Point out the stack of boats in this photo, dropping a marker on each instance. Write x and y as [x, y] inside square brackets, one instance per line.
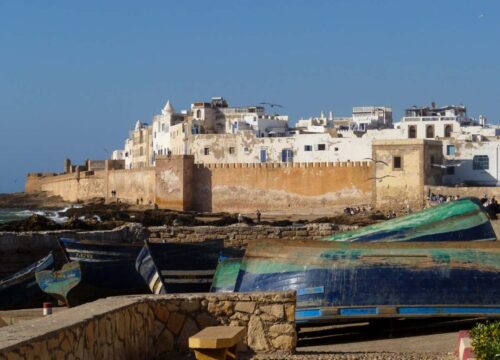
[442, 261]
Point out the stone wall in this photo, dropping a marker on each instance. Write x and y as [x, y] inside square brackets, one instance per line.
[131, 186]
[149, 327]
[238, 235]
[176, 183]
[274, 187]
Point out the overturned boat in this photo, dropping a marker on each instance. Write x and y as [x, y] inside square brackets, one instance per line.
[337, 280]
[460, 220]
[95, 269]
[181, 267]
[20, 290]
[442, 261]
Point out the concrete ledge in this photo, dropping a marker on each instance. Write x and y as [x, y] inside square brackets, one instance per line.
[150, 326]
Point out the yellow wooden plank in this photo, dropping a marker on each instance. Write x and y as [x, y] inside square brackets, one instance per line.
[217, 337]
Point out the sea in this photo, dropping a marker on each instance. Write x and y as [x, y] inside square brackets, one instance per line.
[13, 214]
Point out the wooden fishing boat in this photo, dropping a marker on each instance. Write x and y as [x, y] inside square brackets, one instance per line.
[181, 267]
[226, 275]
[20, 290]
[96, 269]
[461, 220]
[358, 280]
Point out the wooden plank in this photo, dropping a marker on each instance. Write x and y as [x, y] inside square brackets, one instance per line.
[217, 337]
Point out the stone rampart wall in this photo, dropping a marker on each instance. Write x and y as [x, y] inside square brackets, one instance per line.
[274, 187]
[176, 183]
[131, 186]
[149, 327]
[240, 235]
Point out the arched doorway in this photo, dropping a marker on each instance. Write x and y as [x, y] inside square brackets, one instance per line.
[412, 132]
[447, 131]
[429, 131]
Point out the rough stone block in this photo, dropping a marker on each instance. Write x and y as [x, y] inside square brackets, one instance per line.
[175, 322]
[246, 307]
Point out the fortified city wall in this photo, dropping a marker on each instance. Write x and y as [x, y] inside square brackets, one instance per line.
[176, 183]
[150, 327]
[281, 186]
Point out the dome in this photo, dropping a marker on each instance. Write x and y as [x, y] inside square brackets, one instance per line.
[168, 108]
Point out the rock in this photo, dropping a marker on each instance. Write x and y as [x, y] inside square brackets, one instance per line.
[274, 310]
[190, 305]
[205, 320]
[190, 328]
[162, 313]
[175, 322]
[284, 342]
[246, 307]
[290, 312]
[278, 329]
[256, 337]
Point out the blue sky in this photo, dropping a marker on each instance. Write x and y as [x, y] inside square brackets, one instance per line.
[76, 75]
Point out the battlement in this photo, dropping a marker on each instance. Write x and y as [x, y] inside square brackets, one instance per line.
[284, 165]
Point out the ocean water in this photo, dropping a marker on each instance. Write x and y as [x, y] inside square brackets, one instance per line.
[58, 216]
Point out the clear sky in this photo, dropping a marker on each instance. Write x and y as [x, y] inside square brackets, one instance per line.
[76, 75]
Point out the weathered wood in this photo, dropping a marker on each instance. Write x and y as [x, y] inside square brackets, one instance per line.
[217, 337]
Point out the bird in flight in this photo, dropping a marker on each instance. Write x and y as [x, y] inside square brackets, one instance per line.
[380, 178]
[377, 161]
[443, 166]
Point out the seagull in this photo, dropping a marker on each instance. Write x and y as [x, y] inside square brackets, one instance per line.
[380, 178]
[443, 166]
[481, 16]
[377, 161]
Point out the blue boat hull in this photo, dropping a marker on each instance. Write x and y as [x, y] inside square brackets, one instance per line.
[392, 279]
[102, 269]
[79, 282]
[20, 290]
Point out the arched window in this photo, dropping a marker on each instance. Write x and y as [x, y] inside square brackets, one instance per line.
[412, 132]
[198, 114]
[447, 131]
[429, 132]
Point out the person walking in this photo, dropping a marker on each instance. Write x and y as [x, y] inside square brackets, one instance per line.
[258, 215]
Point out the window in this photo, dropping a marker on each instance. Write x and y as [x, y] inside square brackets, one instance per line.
[336, 149]
[263, 155]
[450, 150]
[206, 151]
[412, 132]
[198, 114]
[429, 131]
[432, 159]
[246, 150]
[231, 150]
[480, 162]
[447, 131]
[321, 147]
[308, 148]
[396, 162]
[286, 155]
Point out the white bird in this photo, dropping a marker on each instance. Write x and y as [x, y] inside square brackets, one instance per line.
[443, 166]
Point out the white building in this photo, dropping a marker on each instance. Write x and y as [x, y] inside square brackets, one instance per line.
[371, 117]
[162, 125]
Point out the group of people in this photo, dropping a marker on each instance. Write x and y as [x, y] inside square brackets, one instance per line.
[439, 198]
[355, 210]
